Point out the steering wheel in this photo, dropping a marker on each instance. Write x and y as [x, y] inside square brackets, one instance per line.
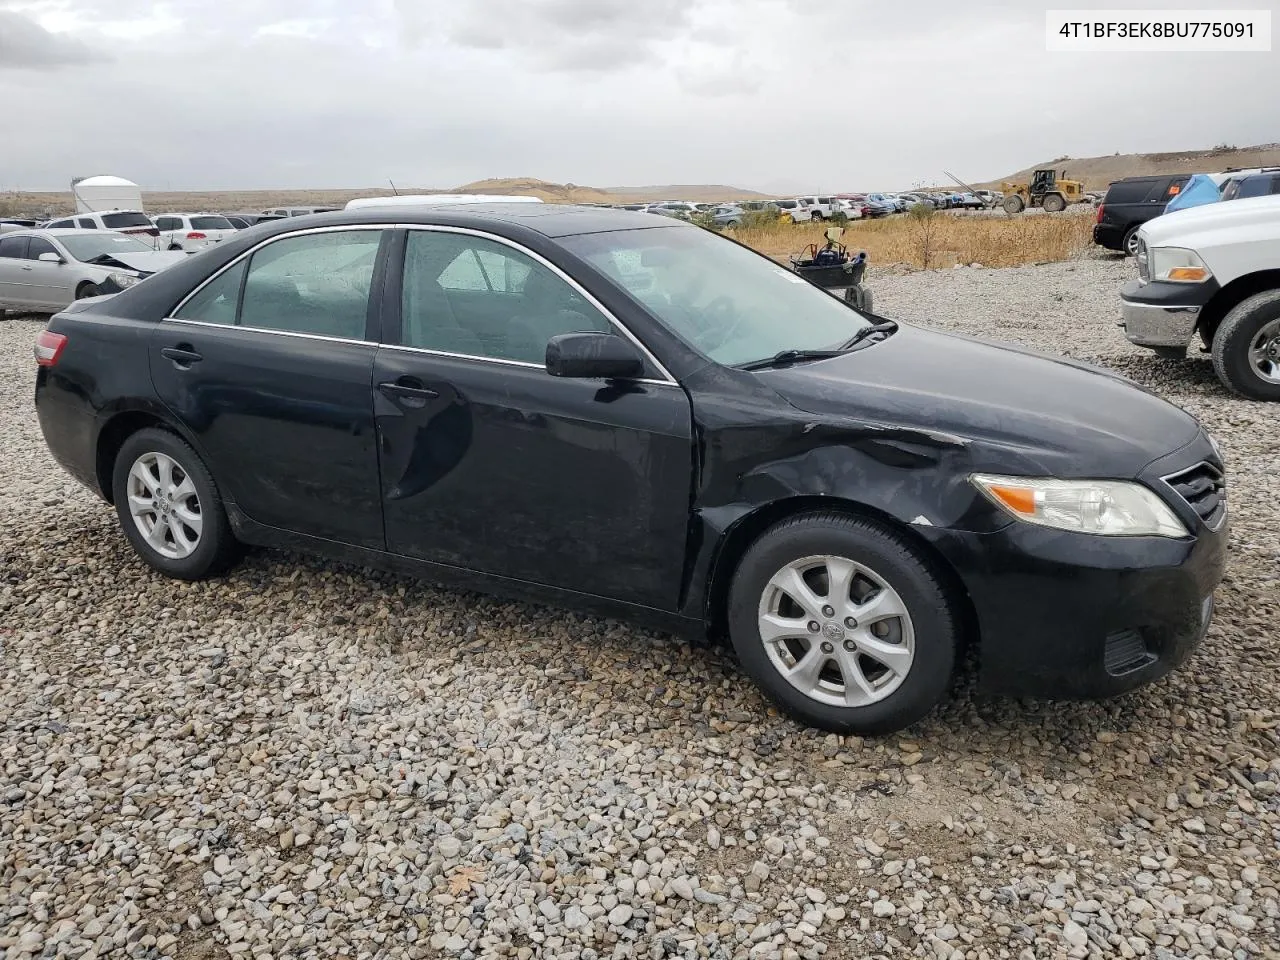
[719, 321]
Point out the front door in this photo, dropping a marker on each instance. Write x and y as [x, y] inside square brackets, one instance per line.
[491, 464]
[269, 367]
[52, 281]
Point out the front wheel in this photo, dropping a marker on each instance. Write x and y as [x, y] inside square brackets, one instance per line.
[169, 507]
[86, 290]
[843, 624]
[1246, 347]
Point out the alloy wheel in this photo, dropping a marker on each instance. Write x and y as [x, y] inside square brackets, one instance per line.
[164, 505]
[836, 631]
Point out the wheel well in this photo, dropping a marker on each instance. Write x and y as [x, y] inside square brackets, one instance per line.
[739, 538]
[118, 429]
[1235, 292]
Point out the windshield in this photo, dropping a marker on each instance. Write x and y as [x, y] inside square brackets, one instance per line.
[725, 300]
[93, 243]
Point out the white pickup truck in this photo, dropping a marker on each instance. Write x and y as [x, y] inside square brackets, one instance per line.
[1212, 270]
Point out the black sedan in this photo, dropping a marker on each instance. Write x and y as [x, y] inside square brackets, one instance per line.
[635, 416]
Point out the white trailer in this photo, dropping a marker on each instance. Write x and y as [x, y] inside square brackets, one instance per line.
[103, 194]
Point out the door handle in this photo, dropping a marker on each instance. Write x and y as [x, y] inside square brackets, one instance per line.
[182, 356]
[408, 391]
[28, 269]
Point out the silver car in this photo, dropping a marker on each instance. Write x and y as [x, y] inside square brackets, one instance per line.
[44, 270]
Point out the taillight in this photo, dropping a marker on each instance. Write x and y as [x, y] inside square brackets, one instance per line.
[196, 235]
[1101, 207]
[49, 348]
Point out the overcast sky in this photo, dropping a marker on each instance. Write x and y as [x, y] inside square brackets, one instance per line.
[777, 95]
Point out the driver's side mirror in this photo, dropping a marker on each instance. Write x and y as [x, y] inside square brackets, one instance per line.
[584, 356]
[50, 258]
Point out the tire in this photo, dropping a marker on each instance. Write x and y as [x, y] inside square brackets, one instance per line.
[1129, 245]
[921, 639]
[214, 548]
[1014, 204]
[86, 290]
[1246, 347]
[175, 248]
[1053, 203]
[1169, 353]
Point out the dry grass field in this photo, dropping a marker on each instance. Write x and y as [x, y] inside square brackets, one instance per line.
[997, 241]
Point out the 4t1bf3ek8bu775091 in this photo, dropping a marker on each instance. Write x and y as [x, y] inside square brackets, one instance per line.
[625, 413]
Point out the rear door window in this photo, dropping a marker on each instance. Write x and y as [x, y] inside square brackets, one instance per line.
[86, 224]
[13, 248]
[168, 224]
[1254, 187]
[317, 283]
[217, 300]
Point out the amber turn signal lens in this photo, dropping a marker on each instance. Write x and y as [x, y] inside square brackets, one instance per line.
[1193, 274]
[1017, 499]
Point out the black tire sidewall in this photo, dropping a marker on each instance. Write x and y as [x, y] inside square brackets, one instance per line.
[891, 557]
[1124, 244]
[1231, 346]
[216, 542]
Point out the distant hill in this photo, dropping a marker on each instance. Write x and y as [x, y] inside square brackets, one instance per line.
[1097, 172]
[575, 193]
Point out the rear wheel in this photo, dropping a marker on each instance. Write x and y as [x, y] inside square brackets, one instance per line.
[1013, 204]
[169, 507]
[843, 624]
[174, 248]
[87, 289]
[1053, 203]
[1246, 347]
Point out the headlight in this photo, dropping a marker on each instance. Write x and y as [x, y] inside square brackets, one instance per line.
[1109, 508]
[1178, 265]
[123, 280]
[1144, 261]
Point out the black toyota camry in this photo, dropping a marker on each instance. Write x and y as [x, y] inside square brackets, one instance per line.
[632, 415]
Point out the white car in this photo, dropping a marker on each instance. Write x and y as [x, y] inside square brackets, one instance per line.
[797, 209]
[132, 223]
[852, 209]
[1212, 270]
[819, 207]
[192, 232]
[44, 270]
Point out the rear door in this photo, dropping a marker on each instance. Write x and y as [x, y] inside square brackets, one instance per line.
[491, 464]
[269, 365]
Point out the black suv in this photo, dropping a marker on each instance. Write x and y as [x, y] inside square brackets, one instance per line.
[1129, 204]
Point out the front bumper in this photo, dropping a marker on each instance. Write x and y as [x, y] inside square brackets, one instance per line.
[1075, 616]
[1162, 314]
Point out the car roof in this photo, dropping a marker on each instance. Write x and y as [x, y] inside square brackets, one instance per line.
[548, 219]
[55, 232]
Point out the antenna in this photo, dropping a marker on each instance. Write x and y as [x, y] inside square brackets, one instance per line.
[393, 187]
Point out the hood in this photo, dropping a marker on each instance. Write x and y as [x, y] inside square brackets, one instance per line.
[148, 261]
[1016, 410]
[1176, 228]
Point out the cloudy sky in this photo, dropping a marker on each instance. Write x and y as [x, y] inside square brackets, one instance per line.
[777, 95]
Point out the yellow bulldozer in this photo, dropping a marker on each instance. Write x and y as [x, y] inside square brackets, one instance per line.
[1047, 189]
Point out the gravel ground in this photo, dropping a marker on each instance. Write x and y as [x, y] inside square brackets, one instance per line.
[308, 760]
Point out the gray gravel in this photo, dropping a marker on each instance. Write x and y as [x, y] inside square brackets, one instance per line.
[307, 760]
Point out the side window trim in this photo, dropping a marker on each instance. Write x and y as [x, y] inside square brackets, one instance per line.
[377, 283]
[391, 308]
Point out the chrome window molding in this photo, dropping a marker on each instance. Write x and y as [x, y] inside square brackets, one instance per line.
[668, 380]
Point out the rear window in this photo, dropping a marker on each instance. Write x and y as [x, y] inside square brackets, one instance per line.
[1130, 191]
[119, 221]
[787, 204]
[211, 223]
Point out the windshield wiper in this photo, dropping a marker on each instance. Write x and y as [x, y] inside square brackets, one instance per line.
[887, 326]
[784, 357]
